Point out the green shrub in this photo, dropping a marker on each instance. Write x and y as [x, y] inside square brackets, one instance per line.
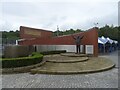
[53, 52]
[35, 53]
[21, 61]
[34, 58]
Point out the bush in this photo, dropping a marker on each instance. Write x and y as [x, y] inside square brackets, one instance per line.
[21, 61]
[53, 52]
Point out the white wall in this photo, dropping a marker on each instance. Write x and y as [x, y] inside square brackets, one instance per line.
[68, 48]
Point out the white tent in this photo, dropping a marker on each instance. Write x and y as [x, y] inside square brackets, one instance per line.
[103, 39]
[110, 40]
[100, 41]
[115, 41]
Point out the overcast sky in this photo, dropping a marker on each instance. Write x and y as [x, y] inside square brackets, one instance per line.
[47, 14]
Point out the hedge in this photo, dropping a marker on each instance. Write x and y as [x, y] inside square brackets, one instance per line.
[21, 61]
[53, 52]
[25, 61]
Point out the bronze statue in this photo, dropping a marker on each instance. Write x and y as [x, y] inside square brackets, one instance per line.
[78, 43]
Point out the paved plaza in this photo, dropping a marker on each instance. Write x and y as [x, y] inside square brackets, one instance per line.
[106, 79]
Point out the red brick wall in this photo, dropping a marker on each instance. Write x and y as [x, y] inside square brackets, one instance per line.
[90, 38]
[27, 32]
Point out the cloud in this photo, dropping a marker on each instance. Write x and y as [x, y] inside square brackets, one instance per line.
[66, 14]
[59, 1]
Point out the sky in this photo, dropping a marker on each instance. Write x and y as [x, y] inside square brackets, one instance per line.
[67, 14]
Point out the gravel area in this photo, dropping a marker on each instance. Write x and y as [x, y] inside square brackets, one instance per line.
[106, 79]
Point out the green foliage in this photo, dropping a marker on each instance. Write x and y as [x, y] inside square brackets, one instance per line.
[110, 31]
[10, 37]
[10, 34]
[67, 32]
[21, 61]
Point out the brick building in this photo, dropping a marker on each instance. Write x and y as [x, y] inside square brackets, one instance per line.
[32, 36]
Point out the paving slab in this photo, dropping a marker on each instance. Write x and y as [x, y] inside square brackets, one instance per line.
[94, 64]
[64, 59]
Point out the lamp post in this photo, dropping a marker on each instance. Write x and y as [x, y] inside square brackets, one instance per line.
[57, 30]
[95, 24]
[6, 41]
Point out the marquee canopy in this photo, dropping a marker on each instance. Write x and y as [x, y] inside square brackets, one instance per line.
[103, 40]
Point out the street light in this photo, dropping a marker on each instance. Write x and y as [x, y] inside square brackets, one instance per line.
[57, 30]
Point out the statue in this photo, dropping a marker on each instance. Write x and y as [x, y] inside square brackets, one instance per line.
[78, 42]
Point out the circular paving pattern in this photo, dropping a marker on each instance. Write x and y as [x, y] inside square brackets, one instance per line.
[63, 59]
[73, 55]
[93, 64]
